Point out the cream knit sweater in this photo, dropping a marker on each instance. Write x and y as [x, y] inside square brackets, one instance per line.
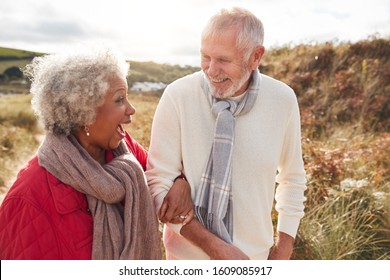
[267, 150]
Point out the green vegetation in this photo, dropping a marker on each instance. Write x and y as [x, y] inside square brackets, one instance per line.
[13, 54]
[344, 96]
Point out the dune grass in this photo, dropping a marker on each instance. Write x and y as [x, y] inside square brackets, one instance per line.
[18, 135]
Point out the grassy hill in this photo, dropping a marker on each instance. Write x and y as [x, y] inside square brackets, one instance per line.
[15, 57]
[14, 54]
[154, 72]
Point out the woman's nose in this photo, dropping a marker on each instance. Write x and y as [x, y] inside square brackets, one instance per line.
[130, 110]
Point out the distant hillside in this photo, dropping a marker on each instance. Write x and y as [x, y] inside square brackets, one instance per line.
[15, 54]
[139, 71]
[154, 72]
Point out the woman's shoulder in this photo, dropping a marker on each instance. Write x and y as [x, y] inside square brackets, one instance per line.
[32, 174]
[27, 194]
[36, 186]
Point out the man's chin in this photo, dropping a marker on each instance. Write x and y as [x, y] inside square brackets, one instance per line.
[221, 95]
[217, 92]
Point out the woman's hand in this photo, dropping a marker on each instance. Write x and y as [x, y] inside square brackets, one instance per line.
[177, 206]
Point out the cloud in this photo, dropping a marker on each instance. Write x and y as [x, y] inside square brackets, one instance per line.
[169, 30]
[50, 31]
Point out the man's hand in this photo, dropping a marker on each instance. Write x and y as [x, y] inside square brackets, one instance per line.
[225, 251]
[177, 206]
[283, 247]
[212, 245]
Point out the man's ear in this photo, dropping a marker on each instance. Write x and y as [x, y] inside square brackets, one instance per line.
[256, 57]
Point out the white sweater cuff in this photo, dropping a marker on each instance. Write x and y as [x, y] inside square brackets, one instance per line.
[288, 224]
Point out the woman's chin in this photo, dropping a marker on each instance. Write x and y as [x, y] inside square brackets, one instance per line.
[114, 144]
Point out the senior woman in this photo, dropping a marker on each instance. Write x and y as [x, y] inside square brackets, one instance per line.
[84, 195]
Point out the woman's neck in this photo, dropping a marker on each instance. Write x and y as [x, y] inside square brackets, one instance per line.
[97, 153]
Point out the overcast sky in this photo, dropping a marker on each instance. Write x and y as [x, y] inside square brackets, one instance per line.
[168, 31]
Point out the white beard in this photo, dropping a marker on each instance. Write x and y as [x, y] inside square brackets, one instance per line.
[236, 85]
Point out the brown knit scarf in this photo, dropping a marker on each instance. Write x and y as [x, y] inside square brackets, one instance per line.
[120, 232]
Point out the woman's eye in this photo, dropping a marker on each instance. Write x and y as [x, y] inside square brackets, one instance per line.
[120, 99]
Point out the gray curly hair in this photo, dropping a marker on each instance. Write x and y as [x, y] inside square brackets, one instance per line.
[68, 88]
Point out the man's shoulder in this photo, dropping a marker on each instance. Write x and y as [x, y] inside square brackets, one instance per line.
[276, 89]
[274, 83]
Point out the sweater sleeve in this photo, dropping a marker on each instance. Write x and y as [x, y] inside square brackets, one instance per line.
[291, 177]
[164, 162]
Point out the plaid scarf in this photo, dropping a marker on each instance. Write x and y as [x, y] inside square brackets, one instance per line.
[213, 202]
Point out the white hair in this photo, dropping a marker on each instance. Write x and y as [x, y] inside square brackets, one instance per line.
[67, 88]
[250, 29]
